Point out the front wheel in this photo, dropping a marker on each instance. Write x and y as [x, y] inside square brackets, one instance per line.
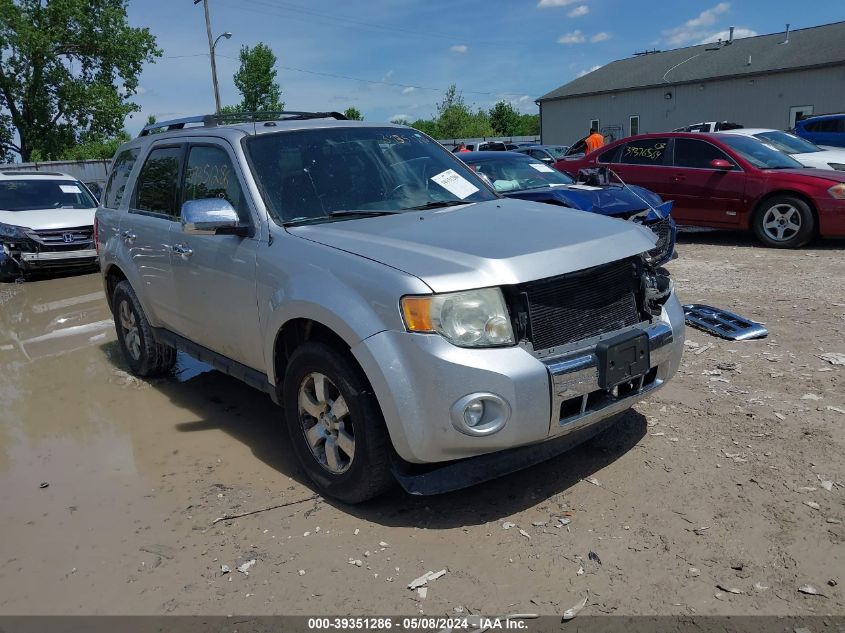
[784, 222]
[145, 356]
[335, 424]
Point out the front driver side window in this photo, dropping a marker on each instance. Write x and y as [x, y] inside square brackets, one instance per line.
[209, 174]
[697, 154]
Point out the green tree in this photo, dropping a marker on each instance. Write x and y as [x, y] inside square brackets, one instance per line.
[103, 149]
[529, 125]
[452, 114]
[504, 119]
[427, 126]
[67, 71]
[256, 80]
[353, 114]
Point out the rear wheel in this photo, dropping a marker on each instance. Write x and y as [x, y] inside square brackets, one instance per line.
[145, 356]
[784, 222]
[335, 424]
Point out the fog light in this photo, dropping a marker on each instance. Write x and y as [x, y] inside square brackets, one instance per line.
[480, 414]
[473, 413]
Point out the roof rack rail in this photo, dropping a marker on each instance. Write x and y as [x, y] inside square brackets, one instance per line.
[30, 172]
[213, 120]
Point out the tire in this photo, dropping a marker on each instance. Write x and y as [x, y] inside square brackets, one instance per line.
[145, 356]
[784, 222]
[319, 424]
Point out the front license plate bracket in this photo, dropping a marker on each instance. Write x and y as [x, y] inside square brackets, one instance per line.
[622, 358]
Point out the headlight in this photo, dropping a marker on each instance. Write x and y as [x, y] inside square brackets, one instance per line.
[838, 166]
[474, 318]
[11, 231]
[838, 191]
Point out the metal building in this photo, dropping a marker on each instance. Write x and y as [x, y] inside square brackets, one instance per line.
[762, 81]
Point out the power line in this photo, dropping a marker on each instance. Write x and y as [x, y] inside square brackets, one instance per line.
[287, 6]
[385, 83]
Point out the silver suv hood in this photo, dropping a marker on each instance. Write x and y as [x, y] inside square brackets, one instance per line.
[493, 243]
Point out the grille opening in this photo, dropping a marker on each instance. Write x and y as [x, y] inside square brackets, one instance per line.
[583, 304]
[570, 407]
[600, 397]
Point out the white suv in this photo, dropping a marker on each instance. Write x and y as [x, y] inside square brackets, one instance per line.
[46, 222]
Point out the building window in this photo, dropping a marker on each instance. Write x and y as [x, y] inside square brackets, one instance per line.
[635, 125]
[595, 124]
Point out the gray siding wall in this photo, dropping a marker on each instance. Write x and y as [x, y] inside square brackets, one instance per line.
[762, 101]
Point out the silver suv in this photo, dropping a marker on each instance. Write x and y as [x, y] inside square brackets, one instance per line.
[413, 325]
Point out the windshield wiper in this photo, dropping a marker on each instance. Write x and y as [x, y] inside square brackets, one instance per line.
[344, 212]
[315, 219]
[437, 205]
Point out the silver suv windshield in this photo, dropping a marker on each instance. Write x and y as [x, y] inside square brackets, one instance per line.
[340, 173]
[32, 194]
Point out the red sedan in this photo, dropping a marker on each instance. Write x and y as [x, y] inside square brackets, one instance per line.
[729, 181]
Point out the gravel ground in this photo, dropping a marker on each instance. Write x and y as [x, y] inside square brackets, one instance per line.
[721, 494]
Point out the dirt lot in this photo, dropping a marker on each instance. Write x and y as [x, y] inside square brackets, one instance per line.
[720, 482]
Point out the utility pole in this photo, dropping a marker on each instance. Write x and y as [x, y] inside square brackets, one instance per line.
[211, 54]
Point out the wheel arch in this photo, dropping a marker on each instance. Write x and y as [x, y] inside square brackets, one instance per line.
[296, 331]
[112, 276]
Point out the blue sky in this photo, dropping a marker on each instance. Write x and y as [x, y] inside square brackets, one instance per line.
[409, 51]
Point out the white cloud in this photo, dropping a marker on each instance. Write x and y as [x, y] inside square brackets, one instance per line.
[600, 37]
[724, 35]
[587, 72]
[575, 37]
[694, 29]
[548, 4]
[408, 90]
[459, 48]
[577, 12]
[523, 99]
[400, 117]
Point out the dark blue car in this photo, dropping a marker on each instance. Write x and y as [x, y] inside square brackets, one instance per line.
[823, 129]
[519, 176]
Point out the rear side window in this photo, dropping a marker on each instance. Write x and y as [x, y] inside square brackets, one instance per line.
[647, 151]
[609, 156]
[119, 178]
[697, 154]
[209, 174]
[826, 125]
[158, 182]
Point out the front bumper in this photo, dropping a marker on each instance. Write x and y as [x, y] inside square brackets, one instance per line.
[418, 378]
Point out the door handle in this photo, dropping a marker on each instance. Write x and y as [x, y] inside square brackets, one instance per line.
[183, 251]
[129, 237]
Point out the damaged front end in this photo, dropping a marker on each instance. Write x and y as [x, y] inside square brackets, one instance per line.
[24, 250]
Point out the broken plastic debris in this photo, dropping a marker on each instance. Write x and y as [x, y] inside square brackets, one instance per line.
[426, 578]
[355, 561]
[811, 396]
[837, 409]
[356, 531]
[44, 484]
[573, 611]
[833, 358]
[422, 592]
[507, 525]
[225, 569]
[593, 481]
[729, 589]
[694, 572]
[810, 590]
[813, 505]
[301, 572]
[525, 534]
[580, 571]
[244, 568]
[759, 586]
[594, 557]
[825, 483]
[383, 544]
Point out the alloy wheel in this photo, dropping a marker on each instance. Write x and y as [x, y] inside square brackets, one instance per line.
[781, 222]
[326, 423]
[131, 333]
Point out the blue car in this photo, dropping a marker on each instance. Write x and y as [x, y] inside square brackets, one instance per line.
[519, 176]
[823, 129]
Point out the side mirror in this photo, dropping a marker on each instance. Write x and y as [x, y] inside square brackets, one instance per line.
[720, 163]
[210, 216]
